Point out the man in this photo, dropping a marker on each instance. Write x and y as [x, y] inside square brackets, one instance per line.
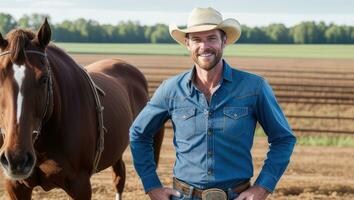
[214, 110]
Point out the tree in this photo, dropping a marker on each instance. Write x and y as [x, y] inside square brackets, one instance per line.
[335, 34]
[95, 32]
[82, 30]
[257, 35]
[24, 22]
[132, 32]
[161, 34]
[307, 33]
[147, 33]
[64, 32]
[108, 29]
[277, 33]
[321, 28]
[7, 23]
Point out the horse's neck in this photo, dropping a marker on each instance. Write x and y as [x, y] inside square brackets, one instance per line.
[71, 90]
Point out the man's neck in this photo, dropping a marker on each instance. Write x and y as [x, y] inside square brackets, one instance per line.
[209, 79]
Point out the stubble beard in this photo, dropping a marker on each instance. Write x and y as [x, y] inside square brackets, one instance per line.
[208, 65]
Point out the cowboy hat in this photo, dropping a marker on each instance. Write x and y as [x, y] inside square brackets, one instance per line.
[206, 19]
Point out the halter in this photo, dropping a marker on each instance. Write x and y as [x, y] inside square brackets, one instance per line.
[36, 132]
[27, 51]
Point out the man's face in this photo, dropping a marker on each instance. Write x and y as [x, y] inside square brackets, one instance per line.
[206, 48]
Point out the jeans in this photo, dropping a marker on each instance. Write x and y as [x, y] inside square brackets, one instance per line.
[230, 195]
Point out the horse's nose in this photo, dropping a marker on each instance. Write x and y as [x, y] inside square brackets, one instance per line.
[17, 164]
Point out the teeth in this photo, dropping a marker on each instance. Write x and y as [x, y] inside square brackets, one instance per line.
[205, 54]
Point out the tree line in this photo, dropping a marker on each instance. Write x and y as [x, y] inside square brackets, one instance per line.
[83, 30]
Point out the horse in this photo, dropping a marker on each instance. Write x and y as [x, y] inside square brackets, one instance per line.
[50, 114]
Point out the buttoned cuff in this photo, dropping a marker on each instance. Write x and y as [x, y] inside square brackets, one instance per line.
[267, 181]
[151, 182]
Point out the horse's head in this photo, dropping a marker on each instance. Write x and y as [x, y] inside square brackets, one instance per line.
[24, 95]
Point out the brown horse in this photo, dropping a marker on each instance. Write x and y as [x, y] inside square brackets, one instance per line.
[49, 120]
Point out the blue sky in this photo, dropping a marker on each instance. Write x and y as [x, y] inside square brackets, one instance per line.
[247, 12]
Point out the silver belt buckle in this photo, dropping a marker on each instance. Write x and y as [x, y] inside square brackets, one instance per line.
[214, 194]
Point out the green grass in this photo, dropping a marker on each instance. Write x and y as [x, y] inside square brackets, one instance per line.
[319, 140]
[337, 141]
[241, 50]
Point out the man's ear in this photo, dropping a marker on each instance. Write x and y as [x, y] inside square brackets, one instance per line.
[186, 41]
[224, 38]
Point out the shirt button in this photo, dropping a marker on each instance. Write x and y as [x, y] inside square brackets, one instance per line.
[206, 112]
[209, 172]
[210, 113]
[210, 154]
[209, 132]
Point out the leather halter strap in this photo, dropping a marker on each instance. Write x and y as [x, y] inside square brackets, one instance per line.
[99, 112]
[27, 51]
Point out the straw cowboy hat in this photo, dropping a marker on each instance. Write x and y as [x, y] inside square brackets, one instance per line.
[206, 19]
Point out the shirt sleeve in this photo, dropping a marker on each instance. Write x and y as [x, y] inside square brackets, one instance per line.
[280, 137]
[142, 131]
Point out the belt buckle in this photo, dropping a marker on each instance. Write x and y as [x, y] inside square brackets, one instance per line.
[214, 194]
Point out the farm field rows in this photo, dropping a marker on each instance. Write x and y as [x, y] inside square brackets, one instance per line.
[314, 173]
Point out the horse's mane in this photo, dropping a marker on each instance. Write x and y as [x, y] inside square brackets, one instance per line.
[18, 40]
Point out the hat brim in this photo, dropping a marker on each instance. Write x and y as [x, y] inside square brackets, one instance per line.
[231, 27]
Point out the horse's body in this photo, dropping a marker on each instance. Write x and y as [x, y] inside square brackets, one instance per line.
[67, 144]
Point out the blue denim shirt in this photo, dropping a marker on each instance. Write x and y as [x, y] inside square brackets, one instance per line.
[213, 140]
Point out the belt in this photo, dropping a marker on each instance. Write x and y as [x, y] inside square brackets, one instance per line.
[185, 188]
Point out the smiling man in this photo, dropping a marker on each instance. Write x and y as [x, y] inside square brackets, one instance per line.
[214, 110]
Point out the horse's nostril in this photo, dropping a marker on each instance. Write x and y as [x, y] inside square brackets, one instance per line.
[23, 164]
[4, 160]
[29, 160]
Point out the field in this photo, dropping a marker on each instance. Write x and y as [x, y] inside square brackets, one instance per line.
[240, 50]
[315, 172]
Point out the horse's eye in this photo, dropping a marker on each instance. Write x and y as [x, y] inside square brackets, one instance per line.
[43, 80]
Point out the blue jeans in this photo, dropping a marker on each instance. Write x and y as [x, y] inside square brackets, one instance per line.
[230, 195]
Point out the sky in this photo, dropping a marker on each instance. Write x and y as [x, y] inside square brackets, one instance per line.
[149, 12]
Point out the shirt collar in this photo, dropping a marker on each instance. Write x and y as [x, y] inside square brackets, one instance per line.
[227, 73]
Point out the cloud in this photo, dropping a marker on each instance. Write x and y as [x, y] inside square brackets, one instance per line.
[46, 3]
[49, 3]
[24, 1]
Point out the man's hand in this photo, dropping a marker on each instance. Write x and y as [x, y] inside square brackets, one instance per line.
[254, 193]
[163, 193]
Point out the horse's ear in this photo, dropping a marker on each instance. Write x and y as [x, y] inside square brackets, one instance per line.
[3, 42]
[44, 34]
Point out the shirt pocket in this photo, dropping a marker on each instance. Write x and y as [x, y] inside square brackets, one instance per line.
[184, 120]
[234, 123]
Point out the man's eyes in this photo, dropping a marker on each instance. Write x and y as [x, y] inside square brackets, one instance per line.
[195, 40]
